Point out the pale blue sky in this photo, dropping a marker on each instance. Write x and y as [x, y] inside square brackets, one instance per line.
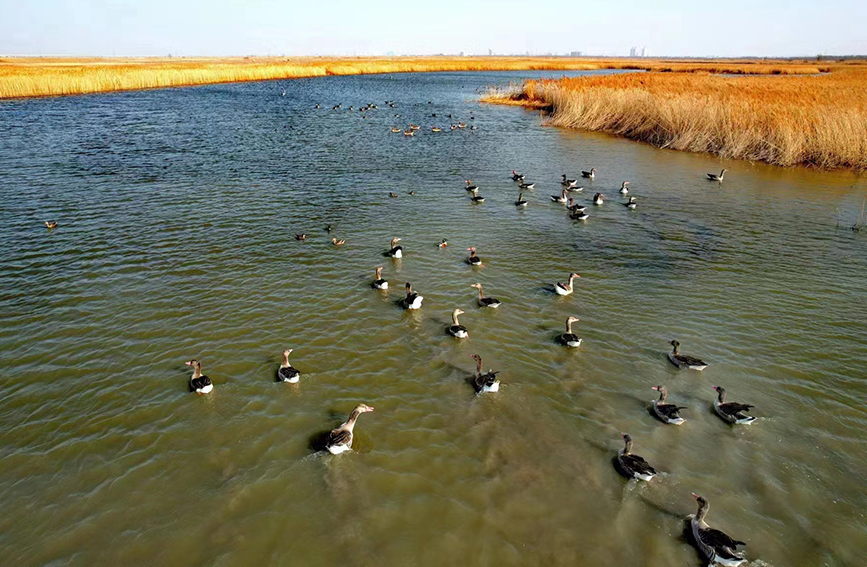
[338, 27]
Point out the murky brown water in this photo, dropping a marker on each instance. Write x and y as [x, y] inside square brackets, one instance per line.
[177, 210]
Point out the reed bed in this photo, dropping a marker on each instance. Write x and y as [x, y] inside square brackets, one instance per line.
[816, 120]
[37, 76]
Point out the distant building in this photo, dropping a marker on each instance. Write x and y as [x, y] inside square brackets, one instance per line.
[490, 52]
[644, 52]
[633, 51]
[575, 54]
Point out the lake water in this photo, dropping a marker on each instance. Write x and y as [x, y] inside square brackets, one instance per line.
[176, 212]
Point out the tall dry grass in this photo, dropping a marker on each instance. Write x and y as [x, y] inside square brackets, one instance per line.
[25, 77]
[784, 120]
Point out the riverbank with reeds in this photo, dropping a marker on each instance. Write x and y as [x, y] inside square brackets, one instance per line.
[41, 76]
[817, 120]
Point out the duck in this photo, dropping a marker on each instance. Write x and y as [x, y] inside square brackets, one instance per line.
[589, 174]
[569, 338]
[329, 227]
[393, 195]
[568, 183]
[484, 383]
[731, 412]
[408, 133]
[379, 283]
[476, 198]
[631, 204]
[717, 547]
[300, 237]
[683, 361]
[317, 105]
[633, 466]
[597, 199]
[517, 176]
[286, 373]
[462, 125]
[337, 242]
[457, 330]
[412, 299]
[561, 198]
[521, 202]
[396, 130]
[565, 289]
[527, 185]
[667, 413]
[411, 193]
[396, 251]
[715, 177]
[623, 188]
[486, 301]
[442, 243]
[340, 440]
[50, 224]
[471, 187]
[435, 129]
[414, 126]
[199, 383]
[472, 259]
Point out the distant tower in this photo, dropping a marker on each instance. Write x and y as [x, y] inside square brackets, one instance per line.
[490, 52]
[632, 51]
[644, 52]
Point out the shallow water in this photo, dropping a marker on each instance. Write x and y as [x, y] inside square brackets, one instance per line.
[177, 210]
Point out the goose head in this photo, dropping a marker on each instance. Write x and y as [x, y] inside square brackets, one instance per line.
[363, 408]
[379, 273]
[394, 242]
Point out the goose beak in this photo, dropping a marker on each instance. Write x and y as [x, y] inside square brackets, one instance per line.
[696, 496]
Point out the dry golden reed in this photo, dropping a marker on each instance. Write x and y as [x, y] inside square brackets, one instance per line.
[815, 120]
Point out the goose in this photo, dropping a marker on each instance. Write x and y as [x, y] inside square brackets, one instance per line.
[435, 129]
[589, 174]
[472, 259]
[393, 195]
[623, 189]
[471, 187]
[412, 299]
[457, 330]
[395, 251]
[521, 202]
[561, 198]
[575, 208]
[300, 237]
[565, 289]
[483, 383]
[527, 185]
[462, 125]
[569, 338]
[50, 225]
[730, 411]
[517, 176]
[579, 215]
[631, 204]
[337, 242]
[486, 301]
[716, 546]
[568, 183]
[414, 126]
[408, 133]
[286, 373]
[198, 383]
[715, 177]
[667, 413]
[396, 130]
[442, 243]
[340, 440]
[476, 198]
[597, 199]
[633, 466]
[683, 361]
[379, 283]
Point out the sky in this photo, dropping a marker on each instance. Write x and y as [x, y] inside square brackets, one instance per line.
[729, 28]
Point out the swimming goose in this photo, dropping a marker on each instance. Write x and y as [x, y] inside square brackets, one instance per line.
[379, 283]
[472, 259]
[395, 251]
[527, 185]
[521, 202]
[412, 299]
[561, 198]
[340, 439]
[476, 198]
[471, 187]
[716, 546]
[572, 206]
[414, 126]
[579, 215]
[457, 330]
[623, 189]
[198, 383]
[633, 466]
[50, 225]
[486, 301]
[337, 242]
[730, 411]
[565, 289]
[442, 243]
[631, 204]
[667, 413]
[589, 174]
[487, 382]
[462, 125]
[286, 373]
[569, 338]
[683, 361]
[597, 199]
[396, 130]
[393, 195]
[435, 129]
[300, 237]
[715, 177]
[409, 133]
[517, 176]
[568, 183]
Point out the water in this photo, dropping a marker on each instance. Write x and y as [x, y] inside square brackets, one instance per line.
[177, 210]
